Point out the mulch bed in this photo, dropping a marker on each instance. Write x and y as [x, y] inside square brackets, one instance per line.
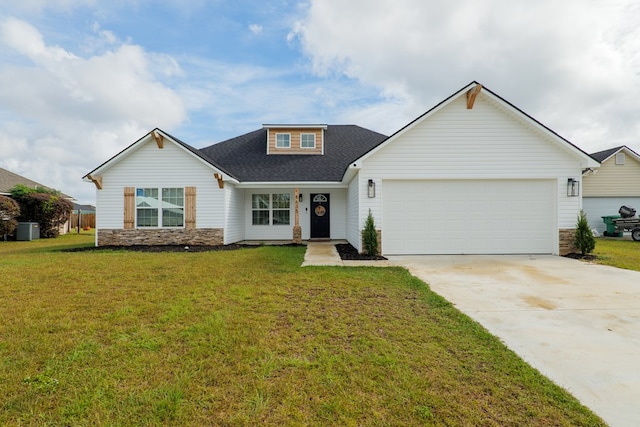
[348, 253]
[587, 257]
[169, 248]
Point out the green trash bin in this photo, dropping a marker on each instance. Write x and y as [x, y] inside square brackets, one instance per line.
[611, 226]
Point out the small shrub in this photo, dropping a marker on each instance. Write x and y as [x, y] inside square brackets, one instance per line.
[370, 236]
[583, 238]
[9, 211]
[46, 207]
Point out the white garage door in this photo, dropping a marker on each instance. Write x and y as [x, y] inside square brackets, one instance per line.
[469, 217]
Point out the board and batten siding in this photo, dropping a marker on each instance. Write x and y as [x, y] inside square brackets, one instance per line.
[151, 167]
[613, 180]
[486, 142]
[337, 209]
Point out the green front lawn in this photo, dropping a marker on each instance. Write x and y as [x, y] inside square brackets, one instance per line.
[618, 253]
[247, 337]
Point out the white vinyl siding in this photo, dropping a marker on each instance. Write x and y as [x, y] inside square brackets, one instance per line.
[234, 226]
[285, 232]
[151, 167]
[488, 142]
[353, 223]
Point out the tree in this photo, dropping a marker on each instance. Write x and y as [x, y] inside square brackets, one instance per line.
[46, 207]
[370, 236]
[583, 238]
[9, 211]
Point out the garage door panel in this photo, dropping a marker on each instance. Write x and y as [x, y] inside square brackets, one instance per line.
[474, 217]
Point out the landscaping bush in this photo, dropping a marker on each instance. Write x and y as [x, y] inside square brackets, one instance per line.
[9, 211]
[370, 236]
[583, 238]
[46, 207]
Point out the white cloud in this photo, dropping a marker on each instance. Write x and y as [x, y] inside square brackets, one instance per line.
[574, 64]
[68, 110]
[27, 40]
[255, 29]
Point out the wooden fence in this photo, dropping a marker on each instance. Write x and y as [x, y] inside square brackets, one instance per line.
[86, 220]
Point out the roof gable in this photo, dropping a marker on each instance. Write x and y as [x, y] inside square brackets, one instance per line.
[160, 137]
[471, 91]
[604, 155]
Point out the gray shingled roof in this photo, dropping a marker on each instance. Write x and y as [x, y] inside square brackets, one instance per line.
[605, 154]
[245, 157]
[8, 180]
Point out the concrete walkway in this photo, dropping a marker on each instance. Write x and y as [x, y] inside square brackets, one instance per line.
[325, 253]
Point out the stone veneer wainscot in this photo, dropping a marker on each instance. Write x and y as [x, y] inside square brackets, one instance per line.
[161, 236]
[566, 241]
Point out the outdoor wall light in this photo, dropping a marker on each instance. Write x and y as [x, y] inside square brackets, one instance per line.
[300, 197]
[573, 187]
[371, 189]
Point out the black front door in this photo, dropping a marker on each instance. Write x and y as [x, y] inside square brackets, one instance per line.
[320, 216]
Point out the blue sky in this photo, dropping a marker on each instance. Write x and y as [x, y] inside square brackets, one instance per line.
[83, 79]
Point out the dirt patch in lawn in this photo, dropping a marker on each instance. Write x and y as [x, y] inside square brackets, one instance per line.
[348, 253]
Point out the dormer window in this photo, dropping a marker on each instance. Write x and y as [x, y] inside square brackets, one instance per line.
[283, 140]
[308, 140]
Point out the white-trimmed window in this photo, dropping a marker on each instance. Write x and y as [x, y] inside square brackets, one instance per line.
[160, 207]
[307, 140]
[271, 209]
[620, 157]
[283, 140]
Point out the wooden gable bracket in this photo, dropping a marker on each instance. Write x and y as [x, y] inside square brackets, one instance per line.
[219, 178]
[159, 139]
[97, 180]
[471, 95]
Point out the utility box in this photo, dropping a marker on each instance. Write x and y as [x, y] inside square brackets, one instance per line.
[28, 231]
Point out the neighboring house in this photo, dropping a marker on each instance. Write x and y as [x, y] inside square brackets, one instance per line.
[616, 183]
[8, 180]
[82, 216]
[84, 209]
[473, 175]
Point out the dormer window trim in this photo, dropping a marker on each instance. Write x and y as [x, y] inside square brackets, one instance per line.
[287, 139]
[303, 143]
[283, 140]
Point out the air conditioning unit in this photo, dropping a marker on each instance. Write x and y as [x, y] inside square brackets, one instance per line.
[28, 231]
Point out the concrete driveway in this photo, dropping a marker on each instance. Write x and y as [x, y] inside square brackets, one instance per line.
[577, 323]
